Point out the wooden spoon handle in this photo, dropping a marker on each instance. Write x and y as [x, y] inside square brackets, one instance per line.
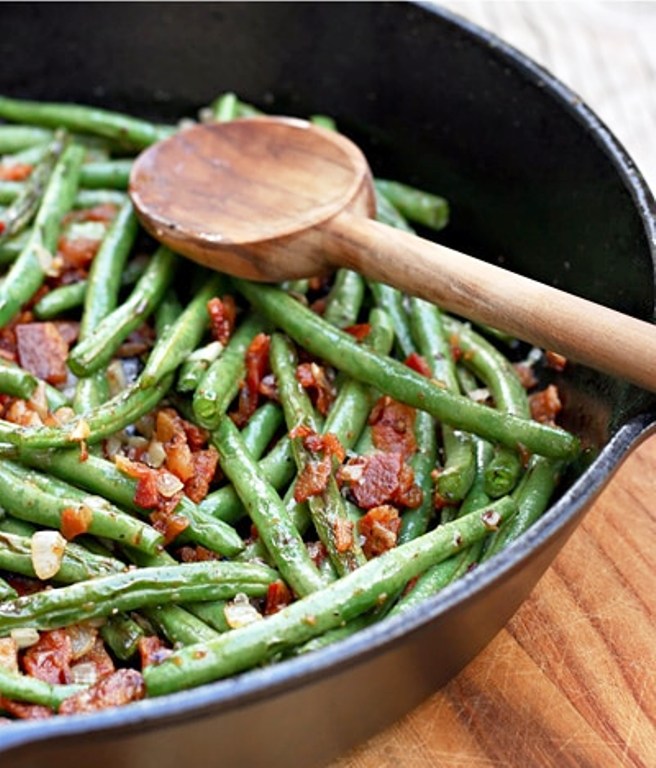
[583, 331]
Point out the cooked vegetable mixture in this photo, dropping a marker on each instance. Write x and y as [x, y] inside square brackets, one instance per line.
[200, 475]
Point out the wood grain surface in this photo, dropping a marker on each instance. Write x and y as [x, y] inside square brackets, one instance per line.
[571, 681]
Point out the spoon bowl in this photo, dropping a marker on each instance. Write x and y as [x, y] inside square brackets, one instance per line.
[277, 199]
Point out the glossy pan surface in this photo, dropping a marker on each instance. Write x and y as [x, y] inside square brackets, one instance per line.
[535, 182]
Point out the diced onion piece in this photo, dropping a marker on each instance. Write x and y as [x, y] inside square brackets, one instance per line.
[24, 637]
[113, 446]
[45, 259]
[116, 377]
[155, 456]
[8, 654]
[85, 673]
[38, 400]
[168, 485]
[64, 414]
[47, 553]
[240, 613]
[82, 636]
[80, 431]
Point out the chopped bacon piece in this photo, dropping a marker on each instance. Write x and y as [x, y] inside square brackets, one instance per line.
[223, 313]
[313, 377]
[526, 375]
[138, 342]
[380, 529]
[257, 368]
[100, 659]
[205, 464]
[179, 459]
[15, 171]
[555, 360]
[196, 554]
[314, 477]
[75, 521]
[23, 584]
[68, 330]
[360, 331]
[392, 427]
[24, 711]
[343, 532]
[42, 351]
[117, 689]
[379, 479]
[169, 524]
[50, 658]
[418, 363]
[105, 212]
[152, 651]
[545, 405]
[77, 252]
[278, 596]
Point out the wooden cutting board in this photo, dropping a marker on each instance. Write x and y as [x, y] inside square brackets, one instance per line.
[571, 681]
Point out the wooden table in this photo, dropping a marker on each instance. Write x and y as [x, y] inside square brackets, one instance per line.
[571, 681]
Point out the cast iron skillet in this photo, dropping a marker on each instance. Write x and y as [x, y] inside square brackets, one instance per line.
[534, 180]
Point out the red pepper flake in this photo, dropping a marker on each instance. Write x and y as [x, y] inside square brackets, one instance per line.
[15, 171]
[380, 528]
[50, 658]
[3, 226]
[75, 521]
[152, 651]
[392, 427]
[115, 690]
[223, 313]
[545, 405]
[278, 597]
[42, 351]
[418, 364]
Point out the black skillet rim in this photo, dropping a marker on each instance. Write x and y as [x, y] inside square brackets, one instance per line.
[263, 683]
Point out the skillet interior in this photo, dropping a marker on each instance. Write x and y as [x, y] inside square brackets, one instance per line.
[534, 182]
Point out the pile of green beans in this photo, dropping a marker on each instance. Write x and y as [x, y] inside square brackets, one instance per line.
[484, 471]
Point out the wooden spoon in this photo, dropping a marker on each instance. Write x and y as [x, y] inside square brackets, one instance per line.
[274, 199]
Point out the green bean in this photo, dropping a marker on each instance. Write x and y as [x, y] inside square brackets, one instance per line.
[179, 625]
[327, 509]
[194, 367]
[6, 590]
[11, 248]
[180, 339]
[277, 468]
[67, 297]
[90, 198]
[457, 475]
[509, 395]
[24, 207]
[392, 301]
[34, 691]
[38, 498]
[220, 383]
[111, 174]
[28, 271]
[101, 122]
[140, 588]
[261, 428]
[98, 348]
[345, 299]
[398, 381]
[414, 522]
[123, 409]
[122, 634]
[102, 478]
[77, 563]
[14, 138]
[532, 496]
[348, 415]
[336, 604]
[387, 214]
[418, 206]
[225, 107]
[323, 121]
[16, 381]
[266, 510]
